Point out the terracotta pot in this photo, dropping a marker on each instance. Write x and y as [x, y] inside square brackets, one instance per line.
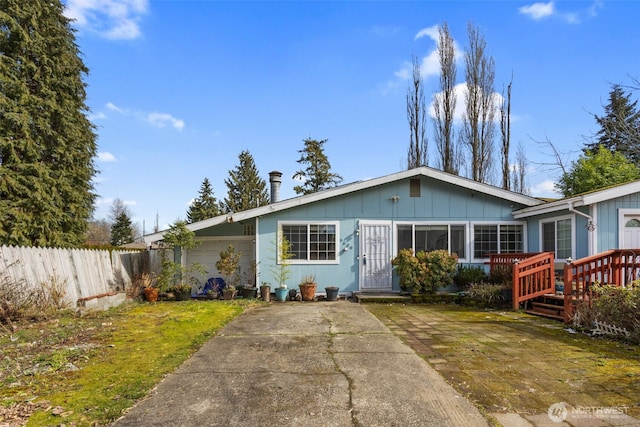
[308, 291]
[151, 294]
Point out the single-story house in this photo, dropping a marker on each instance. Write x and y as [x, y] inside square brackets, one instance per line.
[347, 236]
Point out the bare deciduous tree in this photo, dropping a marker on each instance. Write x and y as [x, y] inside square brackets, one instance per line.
[519, 172]
[505, 132]
[417, 115]
[478, 120]
[444, 104]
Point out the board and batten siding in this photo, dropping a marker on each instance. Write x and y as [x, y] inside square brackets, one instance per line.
[607, 222]
[438, 201]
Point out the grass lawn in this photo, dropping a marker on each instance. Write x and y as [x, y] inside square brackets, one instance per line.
[88, 369]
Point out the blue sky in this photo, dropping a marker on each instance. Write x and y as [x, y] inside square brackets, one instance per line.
[177, 89]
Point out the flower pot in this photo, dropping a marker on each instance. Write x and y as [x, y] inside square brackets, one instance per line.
[293, 293]
[182, 294]
[281, 294]
[228, 294]
[249, 292]
[308, 291]
[151, 294]
[332, 293]
[265, 293]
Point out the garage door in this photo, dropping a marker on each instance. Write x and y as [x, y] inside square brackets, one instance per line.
[208, 253]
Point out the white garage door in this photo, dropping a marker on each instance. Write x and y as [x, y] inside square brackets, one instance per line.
[208, 253]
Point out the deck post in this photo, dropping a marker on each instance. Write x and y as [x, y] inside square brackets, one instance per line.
[515, 283]
[568, 290]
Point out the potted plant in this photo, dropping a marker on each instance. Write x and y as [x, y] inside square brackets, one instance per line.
[249, 290]
[174, 276]
[281, 292]
[229, 292]
[308, 287]
[149, 288]
[265, 291]
[332, 293]
[281, 271]
[228, 265]
[182, 292]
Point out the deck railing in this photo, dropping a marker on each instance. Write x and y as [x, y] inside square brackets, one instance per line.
[617, 267]
[532, 273]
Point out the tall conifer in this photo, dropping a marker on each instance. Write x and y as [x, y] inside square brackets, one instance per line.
[205, 205]
[47, 143]
[246, 190]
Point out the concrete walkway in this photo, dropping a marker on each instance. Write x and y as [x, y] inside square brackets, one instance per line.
[304, 364]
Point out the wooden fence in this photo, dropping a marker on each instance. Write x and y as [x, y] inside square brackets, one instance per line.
[86, 274]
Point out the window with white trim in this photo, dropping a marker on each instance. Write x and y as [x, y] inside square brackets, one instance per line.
[556, 237]
[429, 237]
[497, 239]
[312, 242]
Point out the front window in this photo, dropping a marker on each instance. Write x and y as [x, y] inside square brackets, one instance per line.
[423, 237]
[556, 238]
[316, 242]
[497, 239]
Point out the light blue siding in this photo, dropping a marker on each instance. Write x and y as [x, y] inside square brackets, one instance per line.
[438, 201]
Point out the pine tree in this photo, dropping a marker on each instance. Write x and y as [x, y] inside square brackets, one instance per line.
[205, 205]
[317, 176]
[121, 230]
[47, 143]
[619, 127]
[246, 190]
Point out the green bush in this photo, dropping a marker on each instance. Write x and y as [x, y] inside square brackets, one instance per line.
[426, 271]
[618, 306]
[467, 274]
[485, 293]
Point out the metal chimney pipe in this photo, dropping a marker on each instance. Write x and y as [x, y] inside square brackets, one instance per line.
[275, 179]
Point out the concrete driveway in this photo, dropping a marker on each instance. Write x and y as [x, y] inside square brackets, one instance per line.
[304, 364]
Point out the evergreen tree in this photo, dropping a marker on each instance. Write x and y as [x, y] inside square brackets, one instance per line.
[47, 143]
[317, 176]
[596, 170]
[619, 127]
[245, 188]
[121, 230]
[205, 205]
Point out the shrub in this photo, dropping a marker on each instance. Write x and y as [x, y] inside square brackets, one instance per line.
[410, 270]
[426, 271]
[615, 305]
[485, 292]
[440, 268]
[465, 275]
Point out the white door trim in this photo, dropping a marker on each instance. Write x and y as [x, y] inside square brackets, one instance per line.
[374, 258]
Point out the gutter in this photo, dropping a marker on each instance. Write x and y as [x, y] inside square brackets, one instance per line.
[590, 226]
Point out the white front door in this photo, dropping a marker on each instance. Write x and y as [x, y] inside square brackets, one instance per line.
[375, 255]
[631, 232]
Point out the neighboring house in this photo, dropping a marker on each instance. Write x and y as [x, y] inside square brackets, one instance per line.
[346, 236]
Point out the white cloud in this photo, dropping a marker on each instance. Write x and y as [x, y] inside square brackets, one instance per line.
[538, 11]
[429, 64]
[105, 156]
[112, 19]
[162, 119]
[544, 189]
[111, 106]
[460, 91]
[97, 116]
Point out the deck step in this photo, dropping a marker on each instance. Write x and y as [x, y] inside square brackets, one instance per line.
[547, 315]
[544, 309]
